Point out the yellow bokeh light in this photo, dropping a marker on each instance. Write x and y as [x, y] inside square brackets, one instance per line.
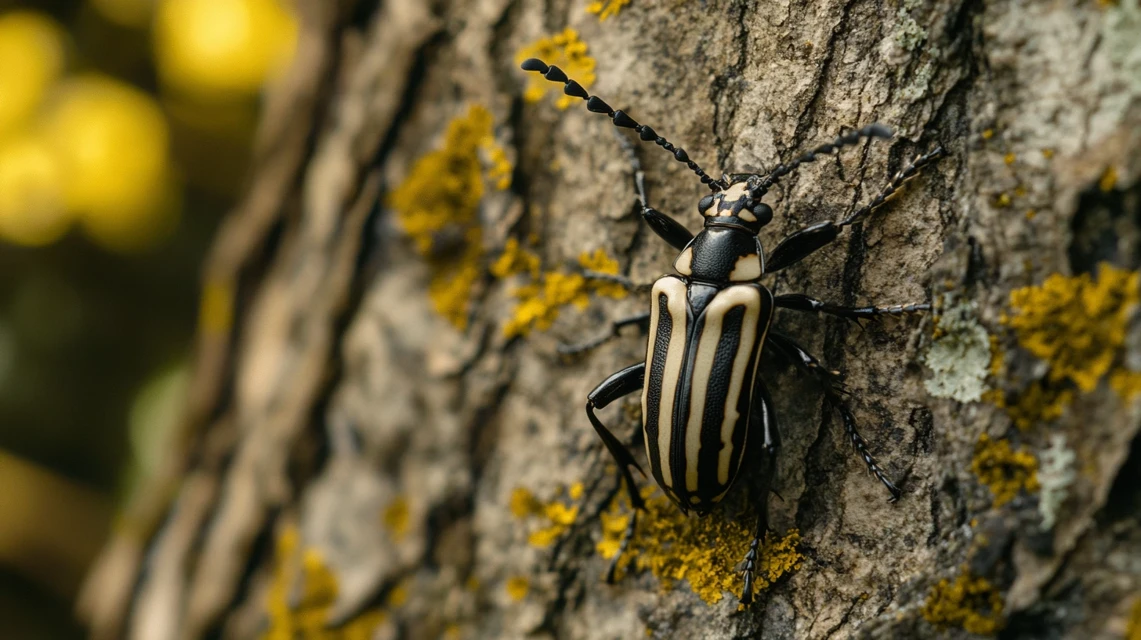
[113, 145]
[31, 60]
[31, 184]
[222, 48]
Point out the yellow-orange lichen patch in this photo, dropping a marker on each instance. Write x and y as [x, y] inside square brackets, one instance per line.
[514, 260]
[1004, 471]
[302, 613]
[556, 515]
[969, 602]
[606, 8]
[1038, 404]
[1076, 324]
[540, 303]
[396, 518]
[702, 551]
[437, 205]
[517, 588]
[565, 51]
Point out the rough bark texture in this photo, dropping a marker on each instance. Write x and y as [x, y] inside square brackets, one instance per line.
[334, 409]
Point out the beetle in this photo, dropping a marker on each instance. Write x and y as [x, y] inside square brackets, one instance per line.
[704, 406]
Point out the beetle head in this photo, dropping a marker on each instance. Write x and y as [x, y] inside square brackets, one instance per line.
[736, 206]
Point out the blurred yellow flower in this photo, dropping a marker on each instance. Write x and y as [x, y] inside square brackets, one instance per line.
[222, 48]
[31, 59]
[31, 186]
[135, 14]
[113, 143]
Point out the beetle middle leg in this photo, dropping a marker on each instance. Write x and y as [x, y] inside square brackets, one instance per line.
[803, 243]
[764, 415]
[833, 388]
[620, 384]
[802, 302]
[642, 320]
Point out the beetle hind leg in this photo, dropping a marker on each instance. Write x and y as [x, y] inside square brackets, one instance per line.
[763, 417]
[808, 363]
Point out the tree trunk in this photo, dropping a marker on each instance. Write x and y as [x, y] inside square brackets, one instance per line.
[382, 440]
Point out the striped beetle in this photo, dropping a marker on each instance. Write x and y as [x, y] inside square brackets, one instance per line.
[703, 404]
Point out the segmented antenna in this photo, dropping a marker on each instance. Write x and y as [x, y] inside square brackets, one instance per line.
[620, 118]
[845, 140]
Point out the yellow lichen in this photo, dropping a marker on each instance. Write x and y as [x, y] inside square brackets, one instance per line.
[576, 490]
[556, 515]
[523, 503]
[396, 518]
[1076, 324]
[517, 587]
[438, 202]
[1009, 158]
[1126, 383]
[515, 260]
[398, 595]
[539, 304]
[565, 51]
[971, 603]
[602, 263]
[988, 134]
[606, 8]
[1108, 179]
[1004, 471]
[703, 551]
[1133, 627]
[1047, 153]
[304, 613]
[1038, 404]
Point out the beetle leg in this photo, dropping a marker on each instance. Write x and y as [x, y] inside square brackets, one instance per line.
[620, 384]
[810, 364]
[626, 536]
[666, 227]
[763, 414]
[641, 319]
[626, 283]
[802, 302]
[802, 243]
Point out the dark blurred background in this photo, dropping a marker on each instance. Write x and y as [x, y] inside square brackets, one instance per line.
[125, 131]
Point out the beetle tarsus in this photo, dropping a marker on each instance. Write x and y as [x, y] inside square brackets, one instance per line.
[627, 535]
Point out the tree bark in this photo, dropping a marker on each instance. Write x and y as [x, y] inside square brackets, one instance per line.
[350, 454]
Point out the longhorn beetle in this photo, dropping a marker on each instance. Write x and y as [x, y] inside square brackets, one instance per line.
[703, 405]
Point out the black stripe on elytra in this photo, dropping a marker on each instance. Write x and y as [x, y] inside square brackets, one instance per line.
[716, 394]
[682, 404]
[654, 384]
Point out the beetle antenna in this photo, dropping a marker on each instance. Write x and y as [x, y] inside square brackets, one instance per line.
[845, 140]
[620, 118]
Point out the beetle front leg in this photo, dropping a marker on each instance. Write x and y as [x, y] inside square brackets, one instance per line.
[763, 414]
[833, 387]
[803, 243]
[666, 227]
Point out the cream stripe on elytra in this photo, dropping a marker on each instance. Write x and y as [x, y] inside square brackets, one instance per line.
[675, 293]
[749, 298]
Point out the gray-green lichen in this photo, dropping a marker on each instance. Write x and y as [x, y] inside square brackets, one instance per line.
[1055, 475]
[909, 35]
[959, 358]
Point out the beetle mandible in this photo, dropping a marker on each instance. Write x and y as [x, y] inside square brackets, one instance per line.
[703, 404]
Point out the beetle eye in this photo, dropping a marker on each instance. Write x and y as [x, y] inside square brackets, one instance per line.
[705, 203]
[764, 213]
